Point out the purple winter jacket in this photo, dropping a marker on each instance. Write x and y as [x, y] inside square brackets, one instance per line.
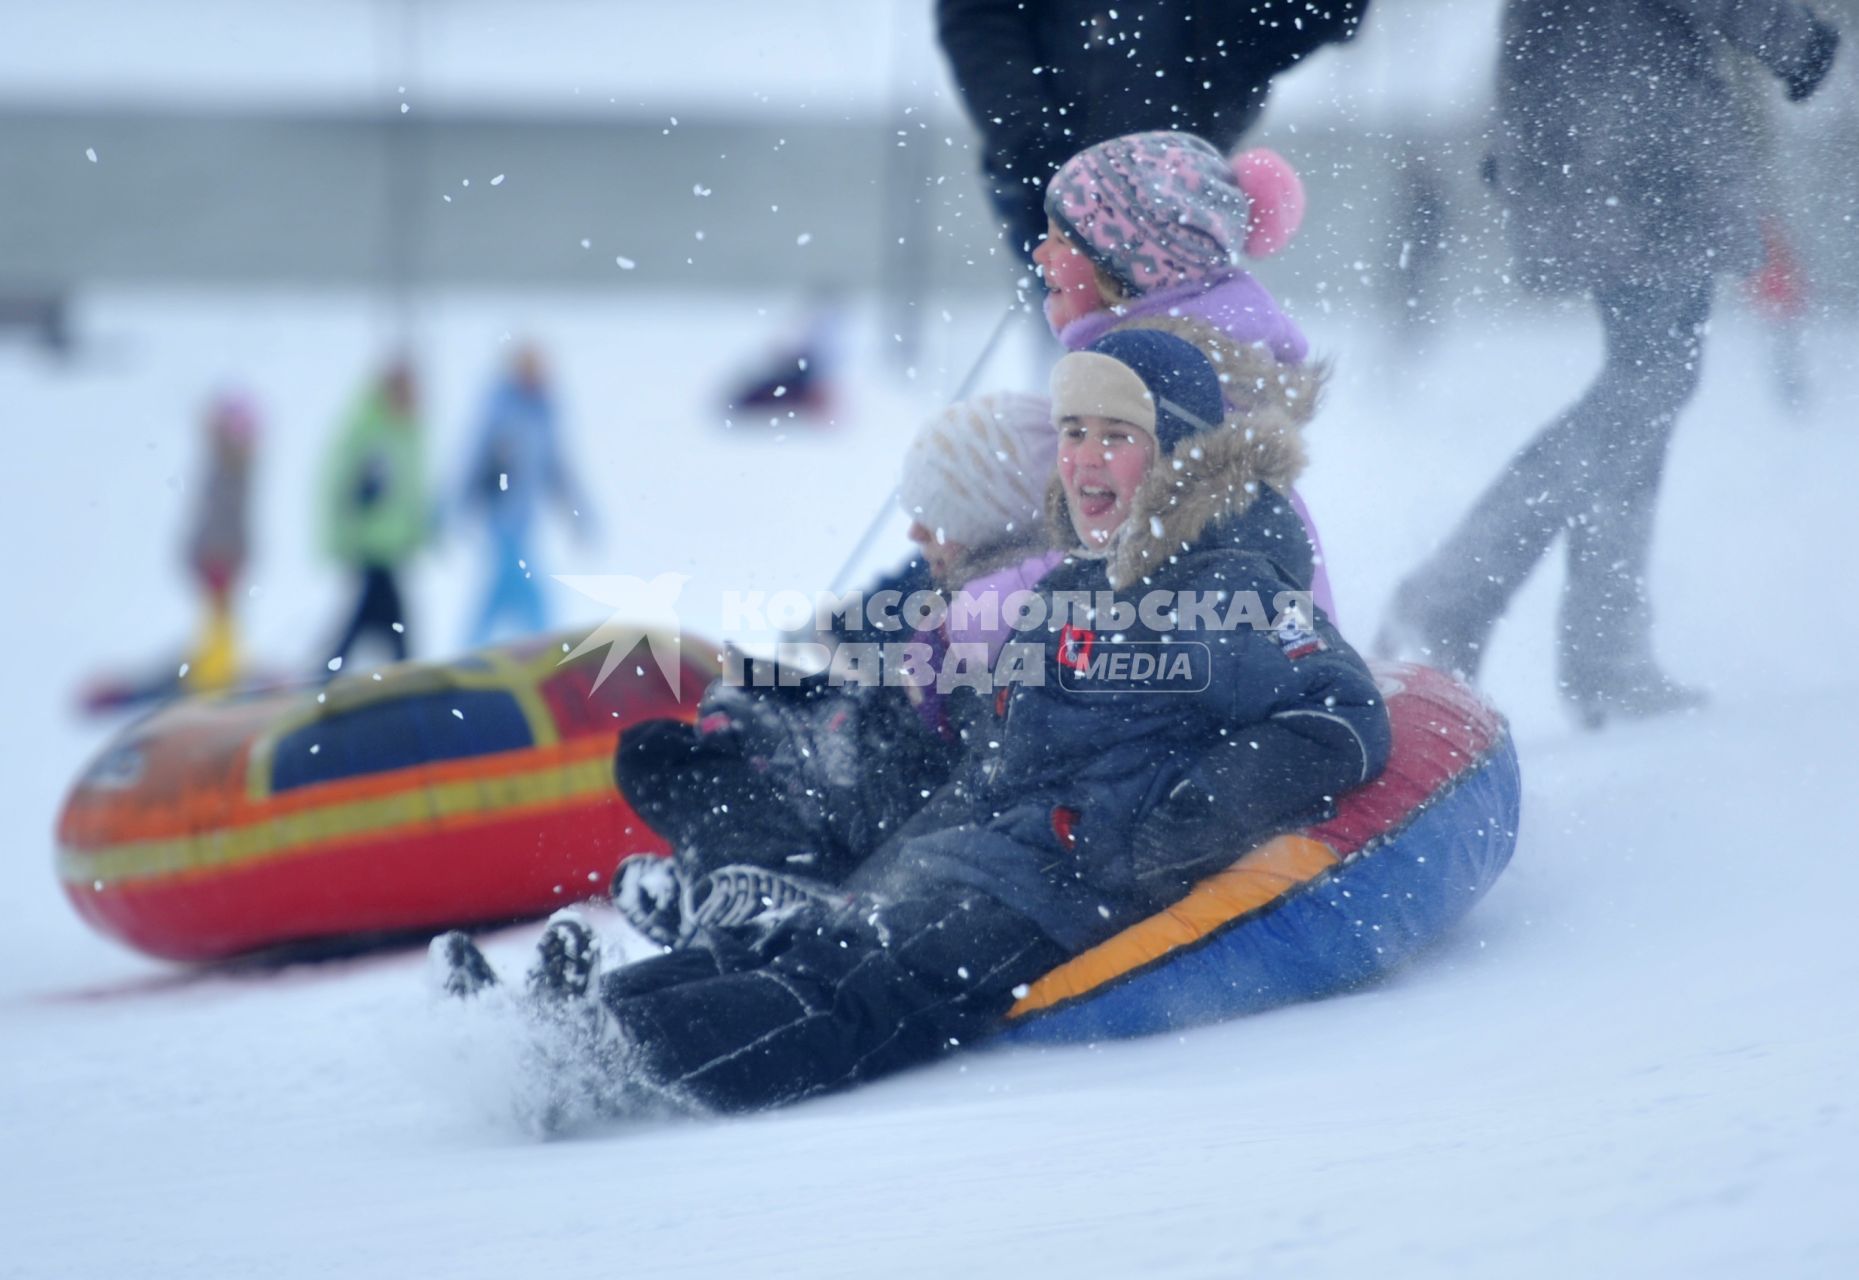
[987, 622]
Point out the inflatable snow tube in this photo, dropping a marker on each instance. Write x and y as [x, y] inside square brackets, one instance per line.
[425, 796]
[1316, 911]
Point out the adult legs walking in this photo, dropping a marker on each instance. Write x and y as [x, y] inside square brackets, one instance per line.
[1594, 472]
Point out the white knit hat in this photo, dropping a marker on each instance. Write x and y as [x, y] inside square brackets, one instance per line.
[977, 472]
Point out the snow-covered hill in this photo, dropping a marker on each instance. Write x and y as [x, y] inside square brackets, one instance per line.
[1638, 1057]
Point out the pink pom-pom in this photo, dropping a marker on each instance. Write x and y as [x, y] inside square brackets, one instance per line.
[1277, 196]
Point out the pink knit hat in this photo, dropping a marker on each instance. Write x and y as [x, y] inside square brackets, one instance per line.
[1157, 210]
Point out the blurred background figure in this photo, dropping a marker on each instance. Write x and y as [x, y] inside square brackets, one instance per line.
[1422, 223]
[374, 507]
[1779, 292]
[1778, 289]
[41, 317]
[1044, 79]
[515, 467]
[799, 380]
[219, 542]
[1628, 176]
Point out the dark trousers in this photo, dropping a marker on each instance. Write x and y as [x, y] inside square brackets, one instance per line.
[832, 999]
[766, 794]
[716, 804]
[1593, 473]
[377, 610]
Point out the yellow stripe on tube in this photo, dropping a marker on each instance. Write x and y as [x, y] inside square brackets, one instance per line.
[1260, 877]
[286, 834]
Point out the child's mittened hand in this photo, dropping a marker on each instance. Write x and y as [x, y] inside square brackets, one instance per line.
[1277, 197]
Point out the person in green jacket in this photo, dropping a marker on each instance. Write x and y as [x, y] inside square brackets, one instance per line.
[374, 506]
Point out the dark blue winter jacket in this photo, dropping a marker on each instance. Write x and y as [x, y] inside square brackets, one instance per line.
[1242, 698]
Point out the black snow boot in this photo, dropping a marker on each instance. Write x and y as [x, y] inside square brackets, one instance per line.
[458, 967]
[648, 891]
[567, 956]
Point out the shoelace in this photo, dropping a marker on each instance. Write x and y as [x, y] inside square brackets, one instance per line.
[737, 895]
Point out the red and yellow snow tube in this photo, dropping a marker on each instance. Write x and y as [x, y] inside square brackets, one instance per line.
[427, 796]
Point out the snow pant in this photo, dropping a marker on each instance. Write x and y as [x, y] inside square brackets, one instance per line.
[512, 593]
[782, 791]
[832, 998]
[1593, 473]
[716, 803]
[377, 612]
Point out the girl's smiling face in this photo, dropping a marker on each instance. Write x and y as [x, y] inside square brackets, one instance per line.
[1072, 289]
[1102, 462]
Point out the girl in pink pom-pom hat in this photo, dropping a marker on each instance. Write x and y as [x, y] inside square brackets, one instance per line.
[1149, 230]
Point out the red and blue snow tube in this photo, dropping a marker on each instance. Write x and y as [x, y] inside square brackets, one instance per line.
[1317, 911]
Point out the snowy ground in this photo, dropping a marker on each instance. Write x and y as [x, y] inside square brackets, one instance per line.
[1638, 1057]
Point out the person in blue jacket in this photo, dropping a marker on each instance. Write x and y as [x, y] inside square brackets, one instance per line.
[1034, 851]
[515, 468]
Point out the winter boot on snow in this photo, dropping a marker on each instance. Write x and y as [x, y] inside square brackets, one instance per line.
[1417, 629]
[567, 956]
[1638, 692]
[1605, 663]
[570, 1060]
[459, 969]
[648, 892]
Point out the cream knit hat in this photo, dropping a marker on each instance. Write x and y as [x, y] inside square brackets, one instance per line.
[977, 472]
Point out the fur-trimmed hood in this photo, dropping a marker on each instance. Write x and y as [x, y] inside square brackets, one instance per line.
[1215, 475]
